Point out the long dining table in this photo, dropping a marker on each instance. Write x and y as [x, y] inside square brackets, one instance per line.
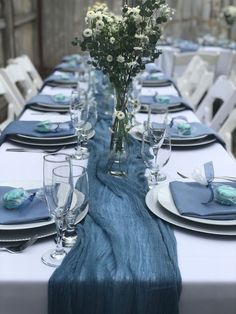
[206, 261]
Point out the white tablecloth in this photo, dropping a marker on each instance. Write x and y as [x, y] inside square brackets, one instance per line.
[207, 263]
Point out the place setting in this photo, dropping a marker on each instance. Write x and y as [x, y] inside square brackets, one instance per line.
[29, 210]
[172, 102]
[208, 205]
[184, 134]
[49, 103]
[154, 79]
[62, 79]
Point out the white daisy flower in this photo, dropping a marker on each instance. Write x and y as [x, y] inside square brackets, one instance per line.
[87, 32]
[112, 40]
[120, 59]
[99, 15]
[120, 115]
[91, 14]
[109, 58]
[99, 24]
[115, 28]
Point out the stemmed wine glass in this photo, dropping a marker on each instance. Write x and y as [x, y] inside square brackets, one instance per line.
[154, 136]
[78, 113]
[81, 192]
[58, 193]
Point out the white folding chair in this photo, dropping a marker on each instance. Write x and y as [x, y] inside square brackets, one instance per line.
[195, 81]
[26, 64]
[205, 82]
[14, 108]
[226, 131]
[224, 91]
[211, 58]
[232, 73]
[182, 60]
[20, 84]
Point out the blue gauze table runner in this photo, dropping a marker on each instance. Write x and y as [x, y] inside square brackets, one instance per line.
[125, 260]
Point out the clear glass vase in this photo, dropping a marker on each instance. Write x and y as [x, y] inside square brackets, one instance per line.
[118, 155]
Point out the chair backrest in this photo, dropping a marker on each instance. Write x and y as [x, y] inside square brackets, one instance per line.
[205, 82]
[13, 106]
[182, 60]
[232, 73]
[195, 81]
[226, 131]
[19, 82]
[222, 90]
[211, 58]
[26, 64]
[194, 70]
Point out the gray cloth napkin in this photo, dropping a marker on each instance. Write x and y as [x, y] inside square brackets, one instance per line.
[190, 196]
[156, 101]
[30, 211]
[197, 129]
[66, 79]
[68, 67]
[46, 101]
[28, 128]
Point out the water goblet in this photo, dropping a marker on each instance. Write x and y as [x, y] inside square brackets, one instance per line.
[163, 156]
[81, 191]
[153, 138]
[58, 194]
[78, 114]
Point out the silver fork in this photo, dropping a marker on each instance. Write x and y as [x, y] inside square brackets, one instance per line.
[227, 178]
[20, 248]
[25, 150]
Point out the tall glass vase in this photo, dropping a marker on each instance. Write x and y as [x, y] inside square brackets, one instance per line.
[118, 156]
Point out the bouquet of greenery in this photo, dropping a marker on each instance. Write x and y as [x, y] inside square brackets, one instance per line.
[120, 46]
[230, 14]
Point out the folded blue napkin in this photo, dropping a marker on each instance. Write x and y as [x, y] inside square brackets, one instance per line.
[71, 66]
[29, 128]
[75, 57]
[64, 78]
[30, 211]
[155, 79]
[189, 199]
[168, 100]
[197, 129]
[48, 100]
[186, 46]
[152, 67]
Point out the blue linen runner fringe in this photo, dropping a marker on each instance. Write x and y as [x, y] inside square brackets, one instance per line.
[125, 259]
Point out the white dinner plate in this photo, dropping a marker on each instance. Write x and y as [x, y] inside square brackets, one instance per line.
[161, 212]
[42, 232]
[144, 109]
[45, 143]
[166, 200]
[47, 109]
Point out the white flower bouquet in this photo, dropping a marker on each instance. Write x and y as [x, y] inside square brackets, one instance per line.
[120, 46]
[230, 14]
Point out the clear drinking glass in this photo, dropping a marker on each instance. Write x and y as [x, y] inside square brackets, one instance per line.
[154, 163]
[78, 114]
[154, 136]
[81, 193]
[58, 194]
